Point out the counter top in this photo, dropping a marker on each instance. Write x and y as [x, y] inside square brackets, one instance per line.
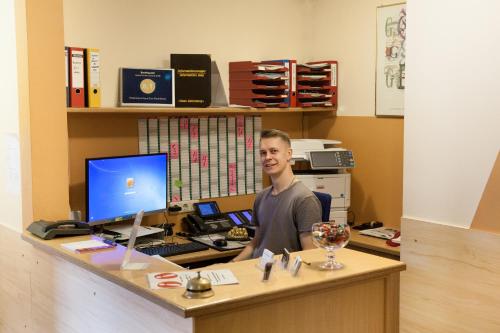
[250, 290]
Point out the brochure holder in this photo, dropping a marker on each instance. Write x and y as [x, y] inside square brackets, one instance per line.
[126, 264]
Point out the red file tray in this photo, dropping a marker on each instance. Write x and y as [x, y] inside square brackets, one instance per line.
[248, 66]
[258, 76]
[273, 94]
[258, 103]
[249, 85]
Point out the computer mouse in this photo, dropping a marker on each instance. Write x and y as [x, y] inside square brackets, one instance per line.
[220, 242]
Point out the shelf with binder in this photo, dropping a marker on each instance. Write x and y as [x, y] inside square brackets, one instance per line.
[261, 84]
[192, 111]
[317, 84]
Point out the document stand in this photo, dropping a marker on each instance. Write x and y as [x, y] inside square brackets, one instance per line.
[317, 84]
[126, 264]
[262, 84]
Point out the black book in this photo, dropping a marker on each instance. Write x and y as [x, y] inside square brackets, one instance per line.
[192, 79]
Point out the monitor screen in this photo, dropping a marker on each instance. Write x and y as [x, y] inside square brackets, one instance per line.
[235, 218]
[248, 215]
[207, 209]
[119, 187]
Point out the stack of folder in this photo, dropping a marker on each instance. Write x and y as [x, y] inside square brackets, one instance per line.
[317, 84]
[83, 83]
[262, 84]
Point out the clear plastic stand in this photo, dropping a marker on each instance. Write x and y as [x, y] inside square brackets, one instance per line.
[126, 264]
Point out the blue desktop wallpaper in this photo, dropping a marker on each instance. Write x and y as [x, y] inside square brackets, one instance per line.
[120, 187]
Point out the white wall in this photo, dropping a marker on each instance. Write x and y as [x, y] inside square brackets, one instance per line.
[452, 108]
[10, 180]
[144, 33]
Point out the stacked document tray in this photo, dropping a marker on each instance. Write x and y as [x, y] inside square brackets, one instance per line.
[262, 84]
[317, 84]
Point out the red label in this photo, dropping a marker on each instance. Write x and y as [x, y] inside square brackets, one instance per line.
[194, 156]
[194, 131]
[204, 160]
[174, 150]
[184, 123]
[232, 177]
[240, 121]
[249, 142]
[240, 126]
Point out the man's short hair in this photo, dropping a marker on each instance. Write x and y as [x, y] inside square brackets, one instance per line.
[275, 133]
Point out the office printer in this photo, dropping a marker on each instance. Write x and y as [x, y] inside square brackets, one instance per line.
[322, 167]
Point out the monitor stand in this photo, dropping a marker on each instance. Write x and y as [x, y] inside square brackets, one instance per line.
[126, 264]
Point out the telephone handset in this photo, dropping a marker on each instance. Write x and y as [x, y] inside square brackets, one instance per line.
[195, 224]
[49, 230]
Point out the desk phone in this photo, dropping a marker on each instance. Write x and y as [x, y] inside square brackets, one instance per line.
[209, 219]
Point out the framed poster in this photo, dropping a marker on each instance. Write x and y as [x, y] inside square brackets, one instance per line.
[390, 70]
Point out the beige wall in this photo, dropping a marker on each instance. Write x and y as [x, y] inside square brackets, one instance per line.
[144, 33]
[344, 30]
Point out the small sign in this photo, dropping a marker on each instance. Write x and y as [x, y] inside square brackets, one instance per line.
[296, 266]
[147, 87]
[267, 256]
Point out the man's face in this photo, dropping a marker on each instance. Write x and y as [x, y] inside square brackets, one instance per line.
[274, 155]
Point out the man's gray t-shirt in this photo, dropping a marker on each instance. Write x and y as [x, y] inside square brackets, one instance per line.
[282, 217]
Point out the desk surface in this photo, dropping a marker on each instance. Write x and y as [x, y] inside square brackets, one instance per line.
[372, 243]
[250, 290]
[201, 255]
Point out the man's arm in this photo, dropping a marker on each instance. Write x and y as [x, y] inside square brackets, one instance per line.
[306, 241]
[248, 250]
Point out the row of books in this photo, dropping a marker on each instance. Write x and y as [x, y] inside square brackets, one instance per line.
[83, 81]
[283, 83]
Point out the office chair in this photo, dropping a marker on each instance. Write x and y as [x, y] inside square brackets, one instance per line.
[325, 199]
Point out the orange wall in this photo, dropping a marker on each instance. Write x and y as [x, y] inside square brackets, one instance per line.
[377, 179]
[98, 135]
[49, 138]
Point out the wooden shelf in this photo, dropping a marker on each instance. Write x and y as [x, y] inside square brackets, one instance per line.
[194, 111]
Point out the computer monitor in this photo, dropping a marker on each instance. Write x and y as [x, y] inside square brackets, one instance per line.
[120, 186]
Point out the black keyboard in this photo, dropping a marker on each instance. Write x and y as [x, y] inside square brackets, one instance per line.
[173, 249]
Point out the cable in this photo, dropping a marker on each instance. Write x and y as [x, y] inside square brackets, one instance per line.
[349, 221]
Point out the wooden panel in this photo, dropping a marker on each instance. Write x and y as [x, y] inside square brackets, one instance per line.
[488, 212]
[355, 308]
[49, 139]
[43, 293]
[359, 267]
[15, 295]
[165, 112]
[452, 282]
[377, 179]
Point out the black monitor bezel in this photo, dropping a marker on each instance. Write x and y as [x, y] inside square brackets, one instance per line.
[198, 212]
[124, 217]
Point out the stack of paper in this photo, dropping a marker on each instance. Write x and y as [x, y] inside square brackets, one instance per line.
[87, 246]
[382, 232]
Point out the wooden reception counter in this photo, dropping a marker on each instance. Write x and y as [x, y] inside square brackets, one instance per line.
[361, 297]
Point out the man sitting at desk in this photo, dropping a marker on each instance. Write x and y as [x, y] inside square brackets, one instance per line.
[284, 212]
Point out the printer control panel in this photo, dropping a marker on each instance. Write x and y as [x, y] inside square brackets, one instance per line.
[331, 159]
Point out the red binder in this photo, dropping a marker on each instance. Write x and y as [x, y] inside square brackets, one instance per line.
[76, 77]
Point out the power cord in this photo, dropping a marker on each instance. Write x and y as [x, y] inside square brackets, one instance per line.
[352, 218]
